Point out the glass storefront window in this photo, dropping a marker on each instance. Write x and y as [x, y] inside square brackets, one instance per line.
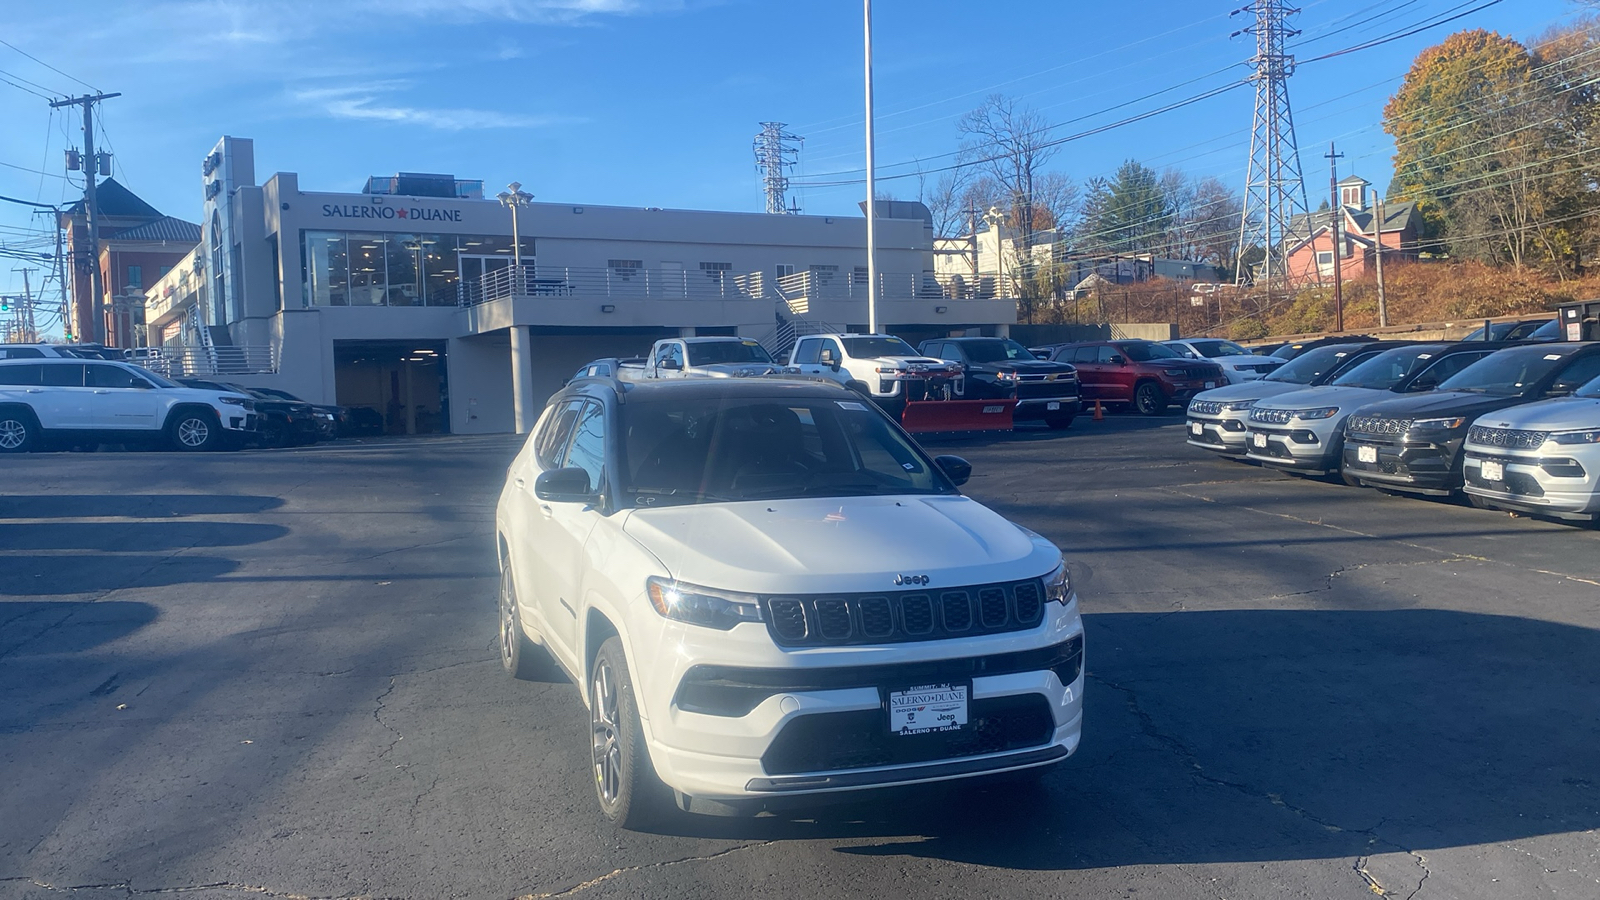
[375, 269]
[441, 269]
[369, 279]
[327, 269]
[404, 256]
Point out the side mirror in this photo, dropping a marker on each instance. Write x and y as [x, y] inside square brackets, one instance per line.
[1119, 361]
[954, 468]
[672, 364]
[1424, 384]
[833, 364]
[569, 485]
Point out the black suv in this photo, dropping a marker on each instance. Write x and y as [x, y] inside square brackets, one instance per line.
[1414, 443]
[1002, 369]
[280, 423]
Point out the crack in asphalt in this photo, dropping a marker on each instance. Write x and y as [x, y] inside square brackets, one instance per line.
[1147, 725]
[377, 716]
[625, 870]
[128, 889]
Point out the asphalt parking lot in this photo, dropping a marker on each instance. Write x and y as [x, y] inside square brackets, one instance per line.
[272, 673]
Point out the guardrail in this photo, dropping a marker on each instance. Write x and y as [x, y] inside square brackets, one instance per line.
[826, 285]
[184, 362]
[613, 283]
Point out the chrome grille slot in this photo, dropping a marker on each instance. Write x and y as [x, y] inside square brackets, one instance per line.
[956, 607]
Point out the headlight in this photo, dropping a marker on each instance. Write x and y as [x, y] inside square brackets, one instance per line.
[1241, 406]
[1005, 376]
[1441, 424]
[1058, 585]
[1321, 412]
[1591, 436]
[1177, 373]
[701, 606]
[234, 401]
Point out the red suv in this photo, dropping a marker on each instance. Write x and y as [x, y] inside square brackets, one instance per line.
[1144, 373]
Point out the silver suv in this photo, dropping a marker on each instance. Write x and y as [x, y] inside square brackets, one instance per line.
[1217, 417]
[1543, 457]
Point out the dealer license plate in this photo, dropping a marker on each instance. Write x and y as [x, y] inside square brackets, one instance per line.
[1210, 385]
[929, 708]
[1493, 471]
[1196, 428]
[1053, 405]
[1259, 440]
[1367, 454]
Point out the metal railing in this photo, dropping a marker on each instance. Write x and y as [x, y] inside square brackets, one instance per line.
[615, 283]
[184, 362]
[824, 285]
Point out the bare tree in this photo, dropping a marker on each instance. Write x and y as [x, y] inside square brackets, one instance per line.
[1005, 143]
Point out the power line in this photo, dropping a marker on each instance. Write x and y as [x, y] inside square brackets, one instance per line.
[48, 66]
[1395, 36]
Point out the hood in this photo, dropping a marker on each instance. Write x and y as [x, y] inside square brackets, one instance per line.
[908, 361]
[1249, 390]
[739, 370]
[1438, 404]
[1346, 398]
[1560, 414]
[1025, 366]
[207, 394]
[846, 544]
[1245, 359]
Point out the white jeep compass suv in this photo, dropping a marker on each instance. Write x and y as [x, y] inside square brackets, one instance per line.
[766, 591]
[114, 403]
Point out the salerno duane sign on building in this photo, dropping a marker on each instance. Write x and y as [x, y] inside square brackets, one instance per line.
[408, 213]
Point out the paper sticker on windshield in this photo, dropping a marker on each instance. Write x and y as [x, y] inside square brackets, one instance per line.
[851, 404]
[751, 343]
[1424, 356]
[1552, 356]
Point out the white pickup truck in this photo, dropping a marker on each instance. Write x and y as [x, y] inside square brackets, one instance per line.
[702, 357]
[880, 366]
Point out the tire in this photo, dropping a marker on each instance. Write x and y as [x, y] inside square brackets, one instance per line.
[1479, 502]
[1148, 399]
[1350, 479]
[625, 782]
[860, 388]
[19, 431]
[192, 431]
[518, 655]
[274, 434]
[1058, 422]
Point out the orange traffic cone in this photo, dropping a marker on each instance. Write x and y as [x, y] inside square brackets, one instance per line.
[1098, 415]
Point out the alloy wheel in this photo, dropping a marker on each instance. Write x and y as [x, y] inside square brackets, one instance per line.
[193, 432]
[508, 618]
[603, 716]
[12, 434]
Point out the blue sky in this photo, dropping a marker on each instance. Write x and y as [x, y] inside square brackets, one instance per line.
[655, 102]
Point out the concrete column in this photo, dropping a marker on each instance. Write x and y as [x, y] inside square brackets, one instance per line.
[1002, 330]
[525, 413]
[685, 332]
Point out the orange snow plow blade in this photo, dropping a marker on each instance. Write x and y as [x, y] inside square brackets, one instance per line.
[924, 416]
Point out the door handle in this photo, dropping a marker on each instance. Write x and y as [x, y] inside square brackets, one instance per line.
[519, 482]
[35, 390]
[102, 392]
[544, 508]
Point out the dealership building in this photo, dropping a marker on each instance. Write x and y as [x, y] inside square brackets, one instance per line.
[405, 298]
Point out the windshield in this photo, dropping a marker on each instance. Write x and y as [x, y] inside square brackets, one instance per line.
[1214, 349]
[158, 380]
[1549, 331]
[685, 450]
[994, 350]
[1312, 364]
[1387, 369]
[1505, 374]
[281, 395]
[1144, 351]
[868, 347]
[1590, 391]
[714, 352]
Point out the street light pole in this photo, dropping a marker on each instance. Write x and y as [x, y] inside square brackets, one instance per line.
[872, 200]
[515, 198]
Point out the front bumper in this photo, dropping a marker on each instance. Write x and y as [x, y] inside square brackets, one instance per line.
[1402, 464]
[1561, 483]
[1222, 433]
[1294, 446]
[815, 721]
[1040, 407]
[235, 419]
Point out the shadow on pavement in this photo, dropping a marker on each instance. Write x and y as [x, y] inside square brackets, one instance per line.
[135, 537]
[130, 506]
[1407, 728]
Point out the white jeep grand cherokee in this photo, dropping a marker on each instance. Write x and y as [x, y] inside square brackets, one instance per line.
[766, 591]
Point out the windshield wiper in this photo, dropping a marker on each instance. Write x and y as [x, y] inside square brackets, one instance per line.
[683, 495]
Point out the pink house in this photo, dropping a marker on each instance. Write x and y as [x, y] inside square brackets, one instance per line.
[1311, 252]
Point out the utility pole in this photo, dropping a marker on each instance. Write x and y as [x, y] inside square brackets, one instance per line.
[1274, 189]
[1377, 237]
[1336, 210]
[872, 183]
[91, 169]
[30, 332]
[775, 156]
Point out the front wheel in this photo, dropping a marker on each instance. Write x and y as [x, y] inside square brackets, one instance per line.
[1149, 400]
[625, 782]
[1058, 421]
[518, 656]
[18, 432]
[194, 431]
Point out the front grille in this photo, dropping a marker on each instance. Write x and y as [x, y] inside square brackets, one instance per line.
[1048, 377]
[911, 616]
[1510, 438]
[1514, 483]
[1271, 416]
[1377, 425]
[1205, 407]
[1052, 390]
[824, 742]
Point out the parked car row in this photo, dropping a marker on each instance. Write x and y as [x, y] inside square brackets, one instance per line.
[1512, 424]
[70, 401]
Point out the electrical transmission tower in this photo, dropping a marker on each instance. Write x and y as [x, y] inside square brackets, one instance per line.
[776, 153]
[1274, 191]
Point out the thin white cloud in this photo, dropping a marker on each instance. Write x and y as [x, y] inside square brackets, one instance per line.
[366, 102]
